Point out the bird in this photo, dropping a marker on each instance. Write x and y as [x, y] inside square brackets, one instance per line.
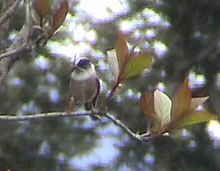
[84, 84]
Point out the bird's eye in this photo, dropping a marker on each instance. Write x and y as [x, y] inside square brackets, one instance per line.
[83, 63]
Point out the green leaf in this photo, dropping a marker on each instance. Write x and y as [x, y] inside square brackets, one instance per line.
[162, 107]
[193, 118]
[137, 63]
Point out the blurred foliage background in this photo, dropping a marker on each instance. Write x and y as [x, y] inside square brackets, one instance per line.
[185, 38]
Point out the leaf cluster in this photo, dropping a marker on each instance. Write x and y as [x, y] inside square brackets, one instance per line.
[163, 114]
[43, 7]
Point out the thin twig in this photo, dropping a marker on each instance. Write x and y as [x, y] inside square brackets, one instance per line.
[126, 129]
[9, 13]
[55, 115]
[28, 17]
[14, 52]
[50, 115]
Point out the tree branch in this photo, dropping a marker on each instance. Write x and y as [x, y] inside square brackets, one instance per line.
[24, 42]
[9, 13]
[14, 52]
[55, 115]
[138, 137]
[19, 42]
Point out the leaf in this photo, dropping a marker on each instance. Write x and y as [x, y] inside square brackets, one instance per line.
[147, 105]
[193, 118]
[137, 63]
[59, 16]
[113, 63]
[162, 107]
[122, 55]
[122, 51]
[41, 7]
[195, 102]
[128, 64]
[181, 100]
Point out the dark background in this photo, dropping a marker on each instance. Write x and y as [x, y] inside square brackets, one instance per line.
[37, 83]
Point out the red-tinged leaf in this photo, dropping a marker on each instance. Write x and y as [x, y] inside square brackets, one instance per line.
[162, 107]
[193, 118]
[181, 100]
[122, 51]
[137, 63]
[122, 55]
[59, 16]
[195, 102]
[147, 105]
[42, 7]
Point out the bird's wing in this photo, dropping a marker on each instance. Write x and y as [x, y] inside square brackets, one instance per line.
[94, 100]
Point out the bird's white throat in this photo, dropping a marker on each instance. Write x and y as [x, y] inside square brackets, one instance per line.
[88, 73]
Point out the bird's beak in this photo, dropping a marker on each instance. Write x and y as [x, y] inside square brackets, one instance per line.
[73, 68]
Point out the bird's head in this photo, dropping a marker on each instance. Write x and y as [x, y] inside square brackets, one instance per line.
[82, 65]
[83, 68]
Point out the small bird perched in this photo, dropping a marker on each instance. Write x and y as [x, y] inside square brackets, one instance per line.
[84, 84]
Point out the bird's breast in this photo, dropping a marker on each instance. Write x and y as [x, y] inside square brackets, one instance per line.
[84, 91]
